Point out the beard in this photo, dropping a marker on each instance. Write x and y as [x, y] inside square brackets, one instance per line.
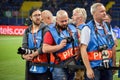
[62, 27]
[37, 22]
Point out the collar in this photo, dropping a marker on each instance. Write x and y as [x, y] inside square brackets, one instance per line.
[98, 25]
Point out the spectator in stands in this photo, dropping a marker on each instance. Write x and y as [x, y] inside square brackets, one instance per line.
[96, 46]
[32, 40]
[79, 18]
[56, 42]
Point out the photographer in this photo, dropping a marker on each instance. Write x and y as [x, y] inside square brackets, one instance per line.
[79, 18]
[97, 42]
[31, 50]
[61, 41]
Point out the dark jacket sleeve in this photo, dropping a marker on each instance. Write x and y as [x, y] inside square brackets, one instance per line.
[25, 39]
[44, 30]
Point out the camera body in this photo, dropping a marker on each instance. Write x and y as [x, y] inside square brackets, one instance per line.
[69, 39]
[105, 56]
[102, 47]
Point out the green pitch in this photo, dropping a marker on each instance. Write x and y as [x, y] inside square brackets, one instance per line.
[12, 67]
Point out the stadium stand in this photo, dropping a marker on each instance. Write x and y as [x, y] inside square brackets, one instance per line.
[14, 12]
[30, 4]
[115, 13]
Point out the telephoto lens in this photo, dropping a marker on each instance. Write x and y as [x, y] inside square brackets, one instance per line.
[24, 51]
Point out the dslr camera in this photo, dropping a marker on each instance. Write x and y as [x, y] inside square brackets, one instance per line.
[69, 39]
[24, 51]
[102, 47]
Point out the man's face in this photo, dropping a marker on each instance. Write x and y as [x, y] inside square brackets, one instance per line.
[75, 18]
[62, 22]
[100, 13]
[107, 19]
[36, 17]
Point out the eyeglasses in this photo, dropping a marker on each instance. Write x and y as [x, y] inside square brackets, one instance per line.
[37, 15]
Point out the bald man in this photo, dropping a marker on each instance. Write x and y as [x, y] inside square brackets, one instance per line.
[47, 17]
[56, 42]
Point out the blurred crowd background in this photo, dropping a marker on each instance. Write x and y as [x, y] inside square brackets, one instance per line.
[15, 12]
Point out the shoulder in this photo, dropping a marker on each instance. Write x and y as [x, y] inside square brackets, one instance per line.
[81, 26]
[86, 29]
[48, 35]
[27, 30]
[72, 27]
[91, 23]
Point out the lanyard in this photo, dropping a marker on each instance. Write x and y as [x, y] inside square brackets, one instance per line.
[34, 35]
[102, 35]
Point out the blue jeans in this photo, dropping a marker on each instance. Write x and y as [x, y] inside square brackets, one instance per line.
[101, 75]
[61, 74]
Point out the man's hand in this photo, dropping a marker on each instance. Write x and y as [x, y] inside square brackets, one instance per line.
[63, 43]
[27, 57]
[114, 65]
[34, 54]
[90, 74]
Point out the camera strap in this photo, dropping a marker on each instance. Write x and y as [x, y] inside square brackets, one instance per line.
[70, 32]
[96, 33]
[105, 59]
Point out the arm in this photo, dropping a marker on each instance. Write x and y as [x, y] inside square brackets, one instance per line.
[85, 56]
[49, 44]
[25, 39]
[25, 45]
[89, 71]
[39, 50]
[114, 47]
[114, 50]
[114, 55]
[84, 42]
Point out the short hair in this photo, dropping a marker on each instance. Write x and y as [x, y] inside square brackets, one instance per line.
[47, 13]
[109, 16]
[94, 7]
[61, 13]
[33, 10]
[81, 12]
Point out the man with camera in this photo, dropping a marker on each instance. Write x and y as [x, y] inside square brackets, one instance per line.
[61, 42]
[31, 50]
[97, 42]
[79, 18]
